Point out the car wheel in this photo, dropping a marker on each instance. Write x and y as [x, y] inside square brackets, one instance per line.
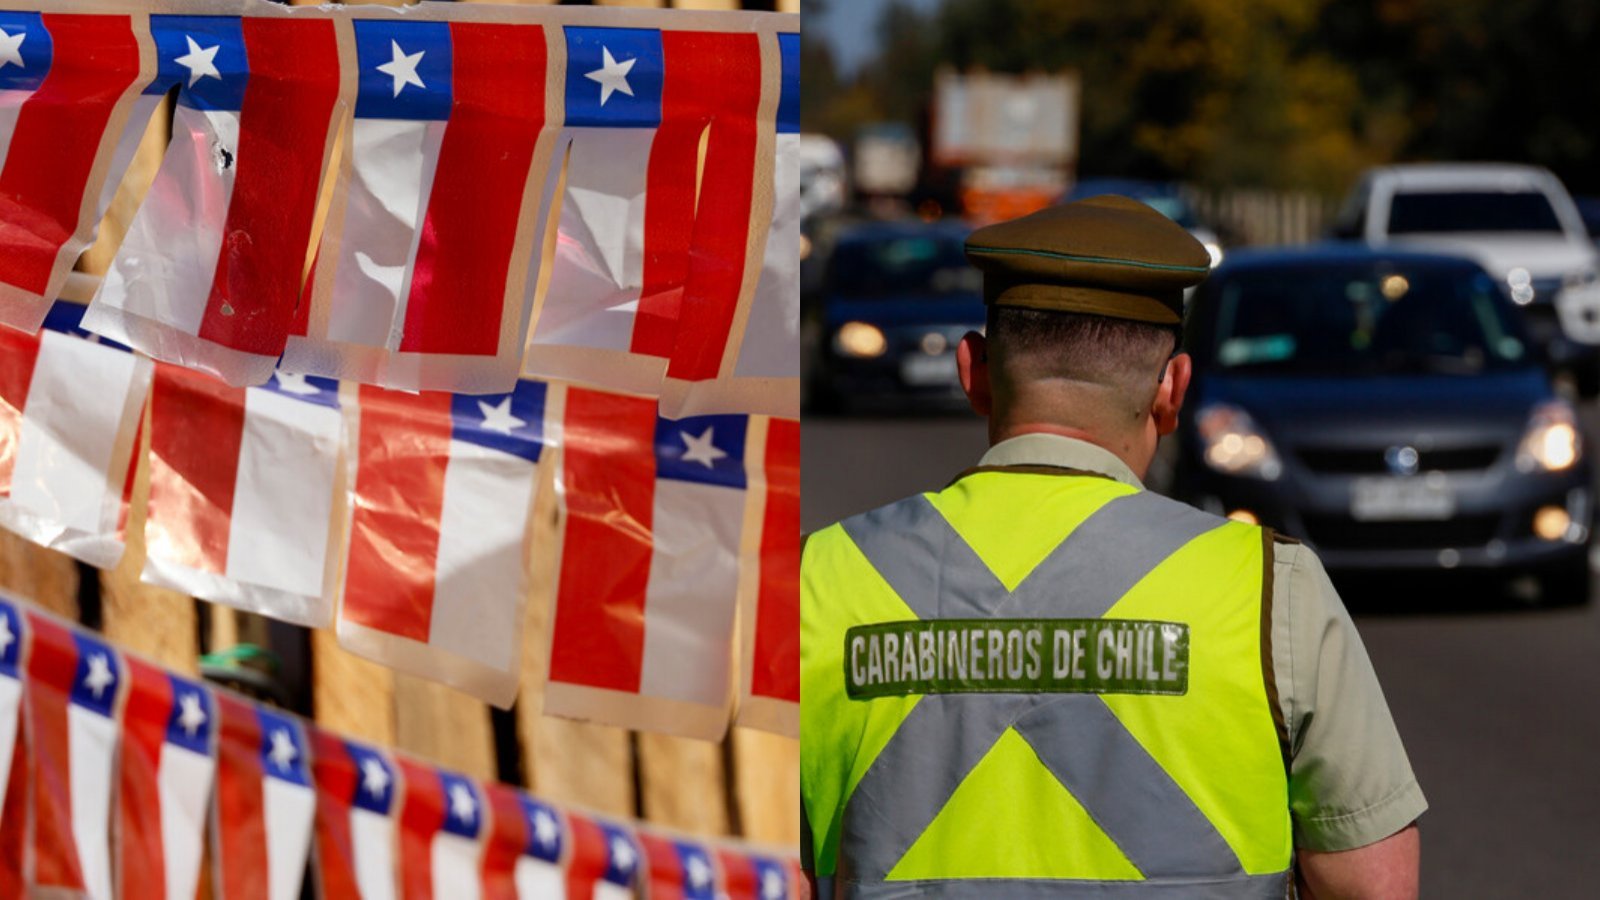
[1566, 583]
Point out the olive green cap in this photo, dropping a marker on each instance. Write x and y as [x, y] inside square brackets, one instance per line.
[1106, 256]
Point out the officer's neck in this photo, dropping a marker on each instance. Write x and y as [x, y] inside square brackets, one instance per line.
[1127, 447]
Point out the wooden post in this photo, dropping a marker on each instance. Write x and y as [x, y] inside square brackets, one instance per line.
[766, 786]
[31, 572]
[683, 784]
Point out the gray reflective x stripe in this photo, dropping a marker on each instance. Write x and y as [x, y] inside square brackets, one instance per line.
[1241, 887]
[944, 736]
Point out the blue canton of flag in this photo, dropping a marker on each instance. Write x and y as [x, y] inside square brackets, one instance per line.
[308, 388]
[190, 723]
[374, 790]
[99, 674]
[614, 77]
[771, 879]
[25, 51]
[511, 423]
[462, 806]
[698, 881]
[702, 449]
[544, 830]
[283, 752]
[66, 317]
[789, 96]
[10, 639]
[405, 70]
[205, 56]
[622, 855]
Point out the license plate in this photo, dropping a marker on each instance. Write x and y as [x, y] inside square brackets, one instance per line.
[1390, 499]
[923, 370]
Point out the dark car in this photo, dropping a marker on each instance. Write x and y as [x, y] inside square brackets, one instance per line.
[896, 299]
[1388, 408]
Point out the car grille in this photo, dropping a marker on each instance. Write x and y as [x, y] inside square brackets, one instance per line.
[1346, 461]
[1343, 533]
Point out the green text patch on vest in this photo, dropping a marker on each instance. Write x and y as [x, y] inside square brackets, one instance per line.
[1030, 656]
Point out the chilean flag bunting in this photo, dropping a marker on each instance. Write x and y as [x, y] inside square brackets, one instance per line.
[265, 804]
[356, 822]
[644, 641]
[70, 85]
[443, 496]
[73, 688]
[69, 417]
[167, 766]
[424, 278]
[210, 271]
[243, 492]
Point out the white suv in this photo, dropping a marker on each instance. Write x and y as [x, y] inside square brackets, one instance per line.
[1516, 221]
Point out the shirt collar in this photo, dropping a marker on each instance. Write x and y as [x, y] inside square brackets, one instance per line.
[1061, 451]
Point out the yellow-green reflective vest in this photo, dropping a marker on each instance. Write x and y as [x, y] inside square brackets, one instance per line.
[1040, 683]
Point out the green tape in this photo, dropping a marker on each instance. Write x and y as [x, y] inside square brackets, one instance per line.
[1016, 656]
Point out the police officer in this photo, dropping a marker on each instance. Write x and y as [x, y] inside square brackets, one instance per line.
[1044, 680]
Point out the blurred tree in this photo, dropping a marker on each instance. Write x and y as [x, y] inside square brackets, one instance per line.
[1272, 93]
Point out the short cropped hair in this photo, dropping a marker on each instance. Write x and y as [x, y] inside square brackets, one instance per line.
[1030, 343]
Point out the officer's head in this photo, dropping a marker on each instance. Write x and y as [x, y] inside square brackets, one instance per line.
[1085, 305]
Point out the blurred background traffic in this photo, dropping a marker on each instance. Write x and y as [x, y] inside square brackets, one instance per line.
[1397, 353]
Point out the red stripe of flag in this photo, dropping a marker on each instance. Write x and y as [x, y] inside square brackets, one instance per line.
[196, 427]
[335, 775]
[739, 878]
[57, 138]
[586, 863]
[727, 78]
[14, 821]
[669, 206]
[421, 817]
[401, 456]
[18, 352]
[664, 867]
[776, 672]
[608, 474]
[52, 666]
[294, 83]
[129, 481]
[506, 842]
[139, 849]
[240, 828]
[458, 284]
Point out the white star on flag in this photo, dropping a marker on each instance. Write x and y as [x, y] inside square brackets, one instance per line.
[612, 75]
[374, 777]
[544, 828]
[191, 715]
[11, 49]
[6, 637]
[99, 677]
[290, 383]
[498, 418]
[462, 807]
[622, 855]
[283, 751]
[771, 885]
[200, 63]
[701, 449]
[699, 872]
[403, 68]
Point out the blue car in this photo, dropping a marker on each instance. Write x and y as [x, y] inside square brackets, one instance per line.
[1389, 409]
[897, 297]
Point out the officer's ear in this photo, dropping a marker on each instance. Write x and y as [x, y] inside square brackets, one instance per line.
[1169, 393]
[972, 362]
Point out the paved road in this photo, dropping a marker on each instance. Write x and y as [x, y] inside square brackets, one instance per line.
[1499, 704]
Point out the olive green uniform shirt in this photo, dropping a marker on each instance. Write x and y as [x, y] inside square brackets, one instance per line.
[1350, 783]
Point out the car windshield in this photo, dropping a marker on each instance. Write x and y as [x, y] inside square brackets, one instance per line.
[1345, 320]
[1527, 211]
[897, 266]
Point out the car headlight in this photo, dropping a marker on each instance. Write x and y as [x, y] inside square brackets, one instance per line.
[1552, 442]
[1214, 250]
[861, 340]
[1234, 445]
